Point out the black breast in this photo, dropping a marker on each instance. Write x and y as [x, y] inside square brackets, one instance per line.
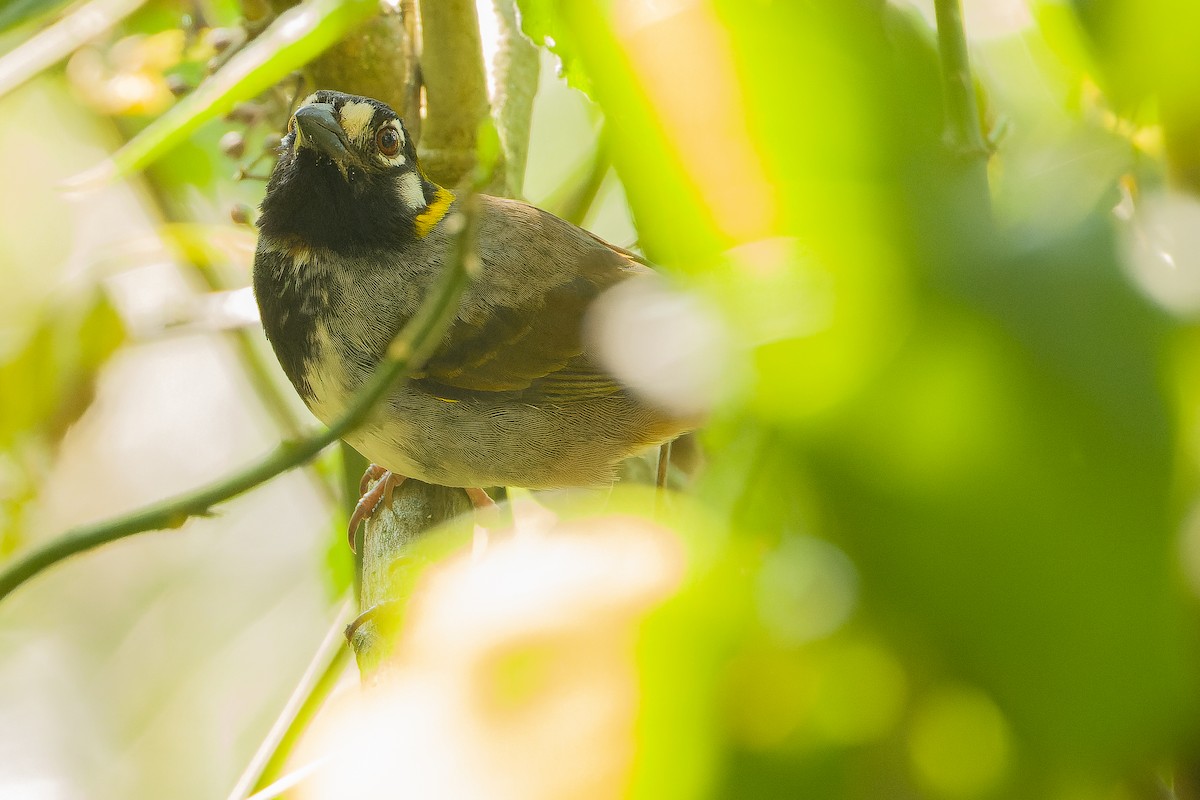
[291, 300]
[309, 200]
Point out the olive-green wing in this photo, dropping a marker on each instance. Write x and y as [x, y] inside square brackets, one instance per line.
[536, 350]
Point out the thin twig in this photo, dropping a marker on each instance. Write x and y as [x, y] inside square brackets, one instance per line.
[310, 694]
[963, 129]
[291, 780]
[408, 351]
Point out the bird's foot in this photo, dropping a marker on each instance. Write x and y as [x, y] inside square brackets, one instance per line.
[386, 483]
[487, 512]
[480, 499]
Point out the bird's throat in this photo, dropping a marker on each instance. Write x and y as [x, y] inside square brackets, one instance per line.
[435, 212]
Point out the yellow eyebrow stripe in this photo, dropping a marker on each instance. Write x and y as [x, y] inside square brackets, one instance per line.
[434, 212]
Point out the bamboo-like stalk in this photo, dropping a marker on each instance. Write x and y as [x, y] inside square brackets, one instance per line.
[456, 97]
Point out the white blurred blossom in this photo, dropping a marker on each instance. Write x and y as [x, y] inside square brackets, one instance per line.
[515, 675]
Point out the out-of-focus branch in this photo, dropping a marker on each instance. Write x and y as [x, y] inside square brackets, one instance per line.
[52, 45]
[408, 351]
[456, 98]
[374, 60]
[515, 74]
[963, 129]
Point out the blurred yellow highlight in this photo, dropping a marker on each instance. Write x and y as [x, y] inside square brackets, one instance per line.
[130, 77]
[684, 61]
[861, 693]
[845, 692]
[959, 743]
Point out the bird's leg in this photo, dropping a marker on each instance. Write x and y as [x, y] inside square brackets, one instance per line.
[480, 499]
[664, 466]
[386, 483]
[381, 492]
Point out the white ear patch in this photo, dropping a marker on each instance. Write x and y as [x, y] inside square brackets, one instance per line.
[356, 120]
[410, 191]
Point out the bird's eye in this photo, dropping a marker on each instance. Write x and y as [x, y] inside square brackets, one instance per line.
[387, 139]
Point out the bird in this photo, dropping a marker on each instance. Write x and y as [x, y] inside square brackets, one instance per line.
[353, 235]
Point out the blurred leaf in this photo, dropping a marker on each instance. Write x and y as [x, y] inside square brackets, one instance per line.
[50, 381]
[56, 367]
[975, 418]
[16, 12]
[540, 21]
[1147, 53]
[1006, 489]
[295, 38]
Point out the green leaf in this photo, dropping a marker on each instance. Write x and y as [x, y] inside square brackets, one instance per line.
[542, 23]
[17, 12]
[49, 384]
[294, 39]
[55, 369]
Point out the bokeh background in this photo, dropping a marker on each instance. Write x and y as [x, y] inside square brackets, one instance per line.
[944, 542]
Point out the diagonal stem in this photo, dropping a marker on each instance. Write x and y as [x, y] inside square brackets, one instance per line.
[314, 689]
[408, 351]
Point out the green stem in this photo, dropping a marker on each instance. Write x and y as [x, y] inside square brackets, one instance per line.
[408, 351]
[963, 128]
[354, 464]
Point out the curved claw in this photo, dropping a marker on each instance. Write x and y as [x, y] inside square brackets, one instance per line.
[374, 472]
[381, 492]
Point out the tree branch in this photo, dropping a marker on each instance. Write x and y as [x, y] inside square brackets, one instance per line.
[387, 539]
[516, 76]
[408, 351]
[373, 61]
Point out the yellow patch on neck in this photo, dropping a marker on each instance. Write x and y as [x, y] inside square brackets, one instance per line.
[435, 212]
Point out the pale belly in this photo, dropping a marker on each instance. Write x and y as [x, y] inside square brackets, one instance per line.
[488, 441]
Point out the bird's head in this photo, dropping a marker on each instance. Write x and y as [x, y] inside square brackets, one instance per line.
[348, 177]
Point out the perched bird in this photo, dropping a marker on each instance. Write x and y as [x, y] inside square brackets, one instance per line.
[353, 236]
